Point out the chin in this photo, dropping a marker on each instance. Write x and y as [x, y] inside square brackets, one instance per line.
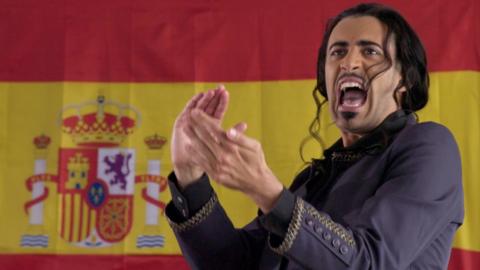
[354, 125]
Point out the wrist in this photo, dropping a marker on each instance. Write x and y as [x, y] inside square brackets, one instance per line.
[187, 175]
[267, 196]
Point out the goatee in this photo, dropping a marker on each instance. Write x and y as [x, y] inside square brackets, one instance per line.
[348, 115]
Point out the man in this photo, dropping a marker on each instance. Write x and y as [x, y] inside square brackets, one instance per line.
[387, 195]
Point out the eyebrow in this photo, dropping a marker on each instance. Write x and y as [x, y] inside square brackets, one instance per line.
[361, 43]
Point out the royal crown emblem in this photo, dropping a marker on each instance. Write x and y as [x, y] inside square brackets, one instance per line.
[101, 123]
[42, 141]
[155, 142]
[96, 179]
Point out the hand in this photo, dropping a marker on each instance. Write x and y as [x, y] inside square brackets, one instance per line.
[213, 103]
[233, 159]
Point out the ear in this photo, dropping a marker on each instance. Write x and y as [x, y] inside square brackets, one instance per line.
[401, 88]
[400, 93]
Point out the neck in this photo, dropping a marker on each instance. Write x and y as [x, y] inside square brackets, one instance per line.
[349, 138]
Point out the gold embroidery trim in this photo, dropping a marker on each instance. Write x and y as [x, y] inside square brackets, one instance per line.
[292, 230]
[348, 156]
[336, 228]
[198, 218]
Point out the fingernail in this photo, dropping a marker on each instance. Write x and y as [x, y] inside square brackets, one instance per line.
[221, 87]
[232, 133]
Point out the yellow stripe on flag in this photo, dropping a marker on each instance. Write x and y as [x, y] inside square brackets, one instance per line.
[277, 112]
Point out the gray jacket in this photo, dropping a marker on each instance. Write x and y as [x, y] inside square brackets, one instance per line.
[397, 208]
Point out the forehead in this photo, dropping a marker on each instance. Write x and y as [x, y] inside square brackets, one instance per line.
[352, 29]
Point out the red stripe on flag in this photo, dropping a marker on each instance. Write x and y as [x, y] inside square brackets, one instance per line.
[459, 260]
[92, 262]
[179, 40]
[464, 260]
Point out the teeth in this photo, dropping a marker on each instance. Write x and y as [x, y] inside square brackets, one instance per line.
[346, 85]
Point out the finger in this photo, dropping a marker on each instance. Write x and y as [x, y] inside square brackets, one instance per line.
[199, 116]
[201, 147]
[207, 123]
[193, 102]
[203, 103]
[222, 106]
[214, 101]
[236, 135]
[234, 132]
[240, 127]
[209, 133]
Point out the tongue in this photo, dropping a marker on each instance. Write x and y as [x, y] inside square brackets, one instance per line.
[353, 98]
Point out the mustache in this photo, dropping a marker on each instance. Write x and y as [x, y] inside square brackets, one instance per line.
[351, 74]
[364, 79]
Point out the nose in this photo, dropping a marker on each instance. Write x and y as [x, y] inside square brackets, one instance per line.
[351, 61]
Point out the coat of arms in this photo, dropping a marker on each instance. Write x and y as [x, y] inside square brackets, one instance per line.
[96, 179]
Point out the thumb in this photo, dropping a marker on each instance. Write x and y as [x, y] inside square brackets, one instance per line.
[239, 128]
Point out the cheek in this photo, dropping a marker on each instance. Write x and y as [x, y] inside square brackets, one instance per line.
[383, 88]
[329, 81]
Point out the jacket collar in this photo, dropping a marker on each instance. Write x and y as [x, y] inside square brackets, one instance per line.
[373, 143]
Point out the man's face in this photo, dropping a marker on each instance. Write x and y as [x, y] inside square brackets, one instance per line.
[355, 53]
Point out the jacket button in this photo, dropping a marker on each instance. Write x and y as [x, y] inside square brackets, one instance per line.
[336, 243]
[327, 236]
[344, 250]
[309, 222]
[317, 229]
[179, 199]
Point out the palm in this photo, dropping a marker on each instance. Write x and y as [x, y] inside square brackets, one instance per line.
[212, 103]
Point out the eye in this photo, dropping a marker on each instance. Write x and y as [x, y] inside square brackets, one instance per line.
[338, 52]
[372, 51]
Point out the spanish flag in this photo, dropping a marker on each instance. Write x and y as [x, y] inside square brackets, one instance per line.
[89, 91]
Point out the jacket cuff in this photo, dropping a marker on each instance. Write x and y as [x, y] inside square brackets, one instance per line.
[196, 219]
[278, 219]
[283, 244]
[192, 198]
[333, 235]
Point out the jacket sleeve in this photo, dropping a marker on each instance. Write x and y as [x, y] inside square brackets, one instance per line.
[421, 197]
[206, 235]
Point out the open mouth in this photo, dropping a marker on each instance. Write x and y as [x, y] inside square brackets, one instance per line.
[352, 95]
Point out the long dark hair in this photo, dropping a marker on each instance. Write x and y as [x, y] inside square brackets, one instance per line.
[409, 53]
